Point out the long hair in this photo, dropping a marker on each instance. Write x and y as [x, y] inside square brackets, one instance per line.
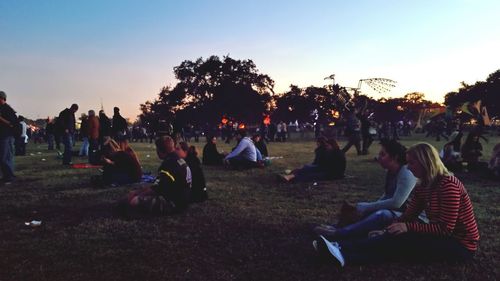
[428, 157]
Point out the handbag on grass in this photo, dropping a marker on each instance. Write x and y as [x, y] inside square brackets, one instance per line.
[348, 214]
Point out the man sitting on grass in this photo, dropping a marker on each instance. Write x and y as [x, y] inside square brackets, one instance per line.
[244, 155]
[170, 192]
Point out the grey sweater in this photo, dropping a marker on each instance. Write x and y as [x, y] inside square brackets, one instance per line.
[397, 189]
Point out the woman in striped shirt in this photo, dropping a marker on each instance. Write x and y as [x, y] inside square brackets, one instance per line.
[450, 235]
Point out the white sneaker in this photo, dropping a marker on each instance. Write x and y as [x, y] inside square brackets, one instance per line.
[334, 249]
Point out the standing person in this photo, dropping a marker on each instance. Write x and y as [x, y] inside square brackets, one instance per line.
[22, 139]
[8, 119]
[67, 123]
[50, 133]
[353, 133]
[365, 132]
[93, 135]
[450, 235]
[119, 125]
[279, 130]
[104, 127]
[84, 134]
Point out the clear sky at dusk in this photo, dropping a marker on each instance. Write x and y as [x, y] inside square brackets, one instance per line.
[54, 53]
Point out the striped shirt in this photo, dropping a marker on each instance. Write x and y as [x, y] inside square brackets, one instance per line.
[449, 210]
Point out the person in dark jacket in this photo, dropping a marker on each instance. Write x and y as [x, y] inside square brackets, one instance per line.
[329, 163]
[8, 120]
[260, 144]
[66, 122]
[170, 192]
[210, 154]
[50, 133]
[119, 125]
[104, 128]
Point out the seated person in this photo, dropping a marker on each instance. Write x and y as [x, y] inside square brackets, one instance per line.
[451, 158]
[472, 150]
[120, 164]
[329, 163]
[210, 154]
[494, 163]
[450, 235]
[260, 144]
[244, 155]
[170, 192]
[399, 182]
[198, 186]
[182, 151]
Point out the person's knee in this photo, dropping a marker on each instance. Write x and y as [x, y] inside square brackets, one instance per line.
[384, 215]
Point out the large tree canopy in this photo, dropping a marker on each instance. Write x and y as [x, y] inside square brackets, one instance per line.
[208, 89]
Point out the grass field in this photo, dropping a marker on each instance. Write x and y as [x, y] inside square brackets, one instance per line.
[251, 228]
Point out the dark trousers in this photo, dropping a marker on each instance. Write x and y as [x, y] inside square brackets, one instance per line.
[20, 145]
[367, 141]
[67, 140]
[7, 157]
[354, 139]
[412, 247]
[93, 151]
[310, 172]
[239, 163]
[50, 141]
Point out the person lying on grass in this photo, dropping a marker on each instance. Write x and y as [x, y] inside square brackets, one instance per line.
[329, 163]
[450, 235]
[170, 192]
[120, 164]
[399, 182]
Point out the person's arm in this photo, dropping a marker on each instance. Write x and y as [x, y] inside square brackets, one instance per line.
[404, 185]
[238, 149]
[448, 209]
[415, 206]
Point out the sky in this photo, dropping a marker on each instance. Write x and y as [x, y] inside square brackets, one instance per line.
[122, 52]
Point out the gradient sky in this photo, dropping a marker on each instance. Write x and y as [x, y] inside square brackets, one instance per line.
[54, 53]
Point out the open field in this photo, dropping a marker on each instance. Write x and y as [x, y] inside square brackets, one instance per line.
[251, 228]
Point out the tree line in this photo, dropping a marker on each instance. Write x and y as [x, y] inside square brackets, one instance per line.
[208, 89]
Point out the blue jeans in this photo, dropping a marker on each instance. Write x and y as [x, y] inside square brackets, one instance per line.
[67, 140]
[415, 247]
[374, 221]
[84, 149]
[7, 157]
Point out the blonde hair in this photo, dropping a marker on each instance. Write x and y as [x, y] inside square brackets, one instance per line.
[428, 157]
